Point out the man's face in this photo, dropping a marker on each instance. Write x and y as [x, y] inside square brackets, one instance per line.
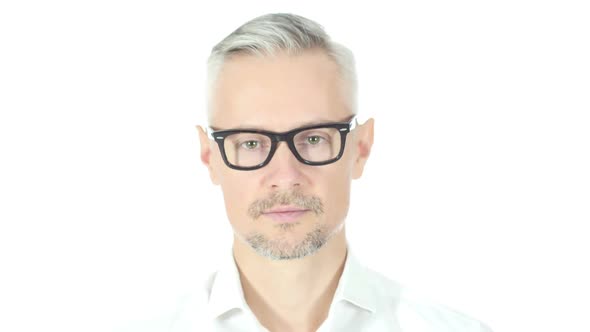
[279, 94]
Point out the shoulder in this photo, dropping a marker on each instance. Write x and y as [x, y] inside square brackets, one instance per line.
[415, 311]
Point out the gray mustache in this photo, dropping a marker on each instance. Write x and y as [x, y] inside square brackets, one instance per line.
[312, 203]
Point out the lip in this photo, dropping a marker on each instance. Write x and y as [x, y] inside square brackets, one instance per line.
[285, 209]
[286, 214]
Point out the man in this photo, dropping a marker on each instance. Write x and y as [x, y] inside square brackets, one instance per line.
[284, 144]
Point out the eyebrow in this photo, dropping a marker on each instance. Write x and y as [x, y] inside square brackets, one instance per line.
[303, 124]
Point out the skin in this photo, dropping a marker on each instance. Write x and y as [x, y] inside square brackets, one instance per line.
[288, 281]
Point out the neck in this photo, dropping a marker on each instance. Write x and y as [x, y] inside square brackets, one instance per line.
[291, 294]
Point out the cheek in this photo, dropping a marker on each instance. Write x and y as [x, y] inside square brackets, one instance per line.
[336, 193]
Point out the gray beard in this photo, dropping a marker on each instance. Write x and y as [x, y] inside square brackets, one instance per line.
[275, 249]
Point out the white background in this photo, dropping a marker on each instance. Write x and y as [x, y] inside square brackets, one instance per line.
[476, 193]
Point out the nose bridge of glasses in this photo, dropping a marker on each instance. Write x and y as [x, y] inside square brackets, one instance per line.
[284, 141]
[284, 137]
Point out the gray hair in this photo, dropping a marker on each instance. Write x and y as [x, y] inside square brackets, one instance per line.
[290, 33]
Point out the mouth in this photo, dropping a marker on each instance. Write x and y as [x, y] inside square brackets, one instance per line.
[285, 215]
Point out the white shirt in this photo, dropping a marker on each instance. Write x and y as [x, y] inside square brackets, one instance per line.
[364, 300]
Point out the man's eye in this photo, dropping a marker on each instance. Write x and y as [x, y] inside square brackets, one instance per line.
[251, 144]
[314, 139]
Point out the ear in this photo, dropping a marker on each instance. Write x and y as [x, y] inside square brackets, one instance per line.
[206, 153]
[363, 144]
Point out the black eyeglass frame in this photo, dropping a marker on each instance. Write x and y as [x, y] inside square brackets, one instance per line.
[343, 127]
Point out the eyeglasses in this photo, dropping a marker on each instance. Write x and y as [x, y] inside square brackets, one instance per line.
[250, 149]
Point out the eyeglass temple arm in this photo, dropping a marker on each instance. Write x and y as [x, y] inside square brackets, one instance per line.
[354, 123]
[209, 132]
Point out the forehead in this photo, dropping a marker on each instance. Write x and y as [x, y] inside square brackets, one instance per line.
[279, 92]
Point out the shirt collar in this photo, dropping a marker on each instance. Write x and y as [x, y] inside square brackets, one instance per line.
[354, 285]
[227, 293]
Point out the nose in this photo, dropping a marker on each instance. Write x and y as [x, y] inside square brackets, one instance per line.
[284, 169]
